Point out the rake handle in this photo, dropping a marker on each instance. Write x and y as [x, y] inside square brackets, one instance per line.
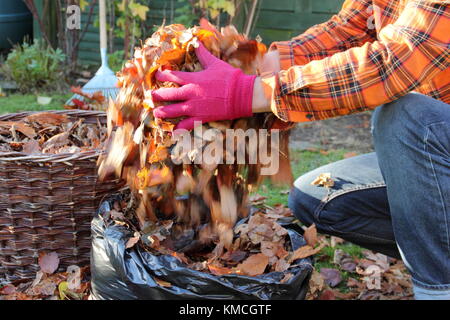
[103, 36]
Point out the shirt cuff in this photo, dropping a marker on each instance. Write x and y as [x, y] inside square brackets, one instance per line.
[277, 104]
[285, 52]
[287, 57]
[282, 107]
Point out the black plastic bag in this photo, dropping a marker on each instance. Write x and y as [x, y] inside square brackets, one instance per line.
[129, 274]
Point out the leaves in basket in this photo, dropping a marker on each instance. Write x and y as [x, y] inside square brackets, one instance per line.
[50, 133]
[46, 119]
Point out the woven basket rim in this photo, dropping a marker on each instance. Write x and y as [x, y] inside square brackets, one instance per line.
[60, 157]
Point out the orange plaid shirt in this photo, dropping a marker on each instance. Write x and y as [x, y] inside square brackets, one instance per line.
[371, 53]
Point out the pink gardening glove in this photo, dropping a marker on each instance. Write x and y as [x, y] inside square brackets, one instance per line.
[219, 92]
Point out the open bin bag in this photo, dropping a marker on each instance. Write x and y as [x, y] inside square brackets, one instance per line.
[129, 274]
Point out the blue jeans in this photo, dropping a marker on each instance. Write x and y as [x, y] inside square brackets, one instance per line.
[395, 201]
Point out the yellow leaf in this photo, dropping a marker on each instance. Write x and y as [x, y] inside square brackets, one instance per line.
[139, 10]
[323, 180]
[229, 8]
[63, 288]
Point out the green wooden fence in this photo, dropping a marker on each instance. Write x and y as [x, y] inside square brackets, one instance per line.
[276, 20]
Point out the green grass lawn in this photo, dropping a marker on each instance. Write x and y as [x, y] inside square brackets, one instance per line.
[28, 102]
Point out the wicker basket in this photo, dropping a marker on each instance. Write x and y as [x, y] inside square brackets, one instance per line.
[47, 203]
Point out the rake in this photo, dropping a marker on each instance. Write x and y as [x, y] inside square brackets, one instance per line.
[105, 79]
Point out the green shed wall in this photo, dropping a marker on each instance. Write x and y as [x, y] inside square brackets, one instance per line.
[276, 20]
[283, 19]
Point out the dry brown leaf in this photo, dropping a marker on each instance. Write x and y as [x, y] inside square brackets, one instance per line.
[46, 119]
[304, 252]
[269, 248]
[25, 129]
[316, 284]
[282, 265]
[133, 240]
[350, 155]
[336, 240]
[310, 235]
[56, 141]
[162, 283]
[254, 265]
[31, 147]
[218, 270]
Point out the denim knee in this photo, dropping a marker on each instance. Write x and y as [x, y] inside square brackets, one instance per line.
[300, 207]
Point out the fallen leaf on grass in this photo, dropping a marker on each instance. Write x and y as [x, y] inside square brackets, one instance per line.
[254, 265]
[316, 284]
[353, 283]
[335, 241]
[350, 155]
[379, 259]
[327, 295]
[310, 235]
[344, 260]
[49, 262]
[256, 198]
[332, 277]
[373, 277]
[304, 252]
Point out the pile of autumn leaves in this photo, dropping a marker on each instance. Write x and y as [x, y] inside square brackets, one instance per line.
[50, 133]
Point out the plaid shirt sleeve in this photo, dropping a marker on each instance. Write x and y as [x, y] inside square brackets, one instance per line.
[406, 54]
[343, 31]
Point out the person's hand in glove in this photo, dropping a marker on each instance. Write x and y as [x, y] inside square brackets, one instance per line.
[219, 92]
